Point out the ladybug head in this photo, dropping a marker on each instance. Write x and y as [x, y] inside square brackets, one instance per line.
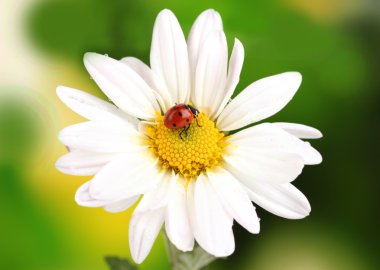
[195, 111]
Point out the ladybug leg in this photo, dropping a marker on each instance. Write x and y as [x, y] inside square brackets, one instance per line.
[180, 134]
[185, 129]
[196, 119]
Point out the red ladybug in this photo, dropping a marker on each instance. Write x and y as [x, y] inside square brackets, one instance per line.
[180, 116]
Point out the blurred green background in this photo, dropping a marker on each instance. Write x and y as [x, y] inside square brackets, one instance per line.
[335, 44]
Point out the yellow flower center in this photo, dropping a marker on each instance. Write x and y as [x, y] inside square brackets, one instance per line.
[200, 148]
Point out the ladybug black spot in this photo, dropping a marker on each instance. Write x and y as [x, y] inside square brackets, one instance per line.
[187, 119]
[179, 113]
[174, 125]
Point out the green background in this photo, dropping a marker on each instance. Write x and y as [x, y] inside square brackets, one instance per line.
[334, 44]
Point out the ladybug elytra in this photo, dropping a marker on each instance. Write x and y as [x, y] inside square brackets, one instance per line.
[180, 116]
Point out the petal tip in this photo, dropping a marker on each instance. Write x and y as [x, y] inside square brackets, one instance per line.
[215, 15]
[294, 75]
[59, 167]
[238, 42]
[318, 134]
[301, 214]
[318, 158]
[211, 11]
[165, 12]
[64, 92]
[88, 55]
[60, 89]
[138, 259]
[92, 58]
[306, 210]
[254, 227]
[297, 75]
[62, 136]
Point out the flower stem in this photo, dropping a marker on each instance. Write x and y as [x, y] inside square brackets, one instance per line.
[196, 259]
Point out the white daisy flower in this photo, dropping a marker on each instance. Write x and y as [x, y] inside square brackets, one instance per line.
[195, 184]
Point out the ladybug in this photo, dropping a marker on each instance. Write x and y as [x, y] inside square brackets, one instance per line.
[180, 116]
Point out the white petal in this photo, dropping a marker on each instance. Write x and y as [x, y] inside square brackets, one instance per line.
[102, 137]
[177, 222]
[211, 73]
[127, 176]
[283, 200]
[91, 107]
[122, 205]
[168, 56]
[207, 22]
[157, 197]
[83, 163]
[83, 197]
[234, 69]
[260, 100]
[143, 231]
[211, 224]
[155, 82]
[263, 153]
[122, 85]
[300, 131]
[274, 137]
[309, 154]
[234, 199]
